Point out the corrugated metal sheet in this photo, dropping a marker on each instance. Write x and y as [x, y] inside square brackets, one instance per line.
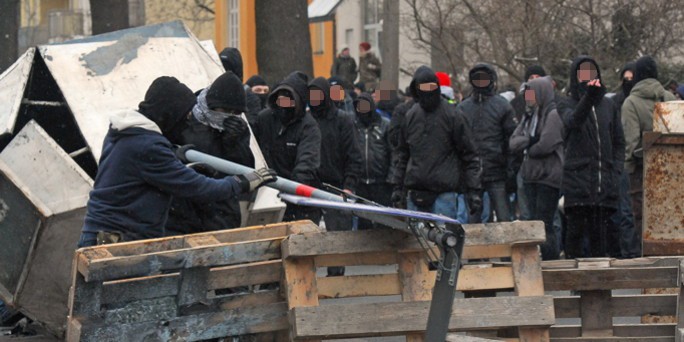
[12, 86]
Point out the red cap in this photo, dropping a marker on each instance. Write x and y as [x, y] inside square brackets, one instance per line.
[365, 45]
[443, 79]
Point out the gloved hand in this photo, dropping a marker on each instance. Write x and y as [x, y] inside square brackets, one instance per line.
[474, 199]
[234, 127]
[398, 197]
[253, 180]
[180, 151]
[595, 91]
[533, 140]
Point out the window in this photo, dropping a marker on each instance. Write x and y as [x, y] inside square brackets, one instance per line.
[318, 40]
[234, 23]
[372, 28]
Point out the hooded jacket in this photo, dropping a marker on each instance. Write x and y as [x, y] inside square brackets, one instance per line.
[341, 158]
[167, 102]
[374, 141]
[492, 121]
[292, 148]
[637, 117]
[594, 146]
[137, 177]
[435, 150]
[543, 161]
[232, 61]
[626, 87]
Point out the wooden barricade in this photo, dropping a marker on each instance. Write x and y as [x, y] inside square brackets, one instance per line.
[174, 289]
[592, 282]
[529, 311]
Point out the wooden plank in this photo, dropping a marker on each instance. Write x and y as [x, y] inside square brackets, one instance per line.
[85, 297]
[527, 275]
[193, 286]
[250, 299]
[679, 333]
[613, 278]
[202, 240]
[485, 252]
[207, 256]
[647, 262]
[375, 319]
[300, 284]
[162, 285]
[262, 272]
[505, 233]
[614, 339]
[621, 330]
[566, 307]
[596, 316]
[359, 286]
[621, 306]
[415, 282]
[492, 278]
[356, 259]
[249, 320]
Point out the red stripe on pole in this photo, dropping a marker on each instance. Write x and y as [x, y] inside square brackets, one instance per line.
[304, 190]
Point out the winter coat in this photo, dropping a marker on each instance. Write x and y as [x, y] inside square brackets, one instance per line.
[137, 177]
[492, 121]
[187, 216]
[253, 106]
[345, 68]
[543, 161]
[375, 148]
[370, 70]
[594, 148]
[341, 158]
[637, 117]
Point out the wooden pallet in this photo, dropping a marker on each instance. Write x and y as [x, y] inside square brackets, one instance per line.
[596, 305]
[166, 289]
[529, 311]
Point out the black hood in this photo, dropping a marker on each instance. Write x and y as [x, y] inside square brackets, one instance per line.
[429, 101]
[167, 102]
[577, 89]
[372, 115]
[422, 75]
[256, 80]
[534, 70]
[297, 88]
[627, 86]
[227, 92]
[232, 61]
[322, 84]
[645, 67]
[491, 89]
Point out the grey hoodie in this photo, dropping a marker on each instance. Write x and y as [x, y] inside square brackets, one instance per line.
[543, 162]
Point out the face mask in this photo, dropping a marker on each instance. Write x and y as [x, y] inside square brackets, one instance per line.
[263, 98]
[286, 115]
[429, 101]
[627, 86]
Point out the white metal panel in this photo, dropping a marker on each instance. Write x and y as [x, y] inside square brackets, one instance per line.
[12, 85]
[108, 73]
[47, 173]
[210, 48]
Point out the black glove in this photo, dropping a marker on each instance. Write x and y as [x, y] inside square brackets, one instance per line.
[253, 180]
[234, 127]
[474, 199]
[533, 140]
[204, 169]
[511, 181]
[595, 94]
[181, 150]
[398, 197]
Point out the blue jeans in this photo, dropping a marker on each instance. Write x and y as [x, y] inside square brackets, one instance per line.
[446, 204]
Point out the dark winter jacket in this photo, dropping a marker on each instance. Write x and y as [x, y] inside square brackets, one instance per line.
[137, 177]
[594, 147]
[292, 148]
[232, 61]
[187, 216]
[340, 153]
[626, 87]
[492, 121]
[542, 145]
[375, 147]
[254, 107]
[344, 67]
[435, 150]
[395, 122]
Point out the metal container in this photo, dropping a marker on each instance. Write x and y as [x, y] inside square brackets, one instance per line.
[43, 194]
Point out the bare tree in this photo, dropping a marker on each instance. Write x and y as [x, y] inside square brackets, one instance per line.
[198, 15]
[9, 32]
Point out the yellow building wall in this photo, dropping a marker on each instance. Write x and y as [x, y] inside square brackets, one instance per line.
[35, 12]
[323, 61]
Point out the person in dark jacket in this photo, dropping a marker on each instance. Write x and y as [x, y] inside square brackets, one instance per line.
[340, 93]
[435, 153]
[232, 61]
[257, 85]
[340, 153]
[216, 128]
[594, 158]
[290, 140]
[373, 138]
[627, 78]
[344, 66]
[139, 173]
[492, 121]
[539, 135]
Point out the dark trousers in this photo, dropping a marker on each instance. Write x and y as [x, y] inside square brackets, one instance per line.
[336, 220]
[542, 201]
[590, 226]
[630, 239]
[499, 202]
[380, 193]
[636, 192]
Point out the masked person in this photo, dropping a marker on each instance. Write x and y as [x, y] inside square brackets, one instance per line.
[594, 157]
[341, 94]
[216, 128]
[139, 173]
[258, 86]
[539, 135]
[340, 153]
[372, 133]
[290, 140]
[231, 58]
[435, 153]
[492, 121]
